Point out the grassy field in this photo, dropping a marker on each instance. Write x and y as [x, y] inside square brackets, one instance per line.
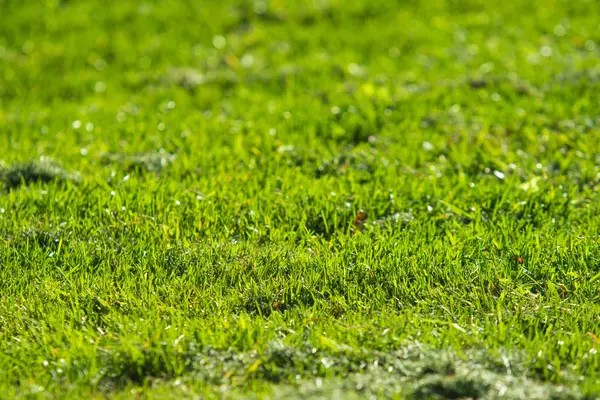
[300, 199]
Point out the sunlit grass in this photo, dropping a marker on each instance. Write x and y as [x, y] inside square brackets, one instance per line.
[299, 199]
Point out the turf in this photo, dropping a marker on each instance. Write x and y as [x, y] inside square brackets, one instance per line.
[300, 199]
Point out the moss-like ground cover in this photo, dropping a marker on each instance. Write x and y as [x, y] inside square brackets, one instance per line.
[316, 198]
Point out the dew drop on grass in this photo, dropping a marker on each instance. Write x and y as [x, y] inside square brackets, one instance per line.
[219, 42]
[559, 30]
[100, 64]
[486, 68]
[356, 70]
[546, 51]
[247, 60]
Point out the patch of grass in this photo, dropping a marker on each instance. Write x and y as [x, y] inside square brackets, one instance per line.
[148, 162]
[44, 171]
[300, 199]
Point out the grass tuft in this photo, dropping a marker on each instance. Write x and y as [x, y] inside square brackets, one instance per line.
[300, 199]
[152, 162]
[44, 171]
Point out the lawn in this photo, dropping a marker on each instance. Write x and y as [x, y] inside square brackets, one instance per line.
[300, 199]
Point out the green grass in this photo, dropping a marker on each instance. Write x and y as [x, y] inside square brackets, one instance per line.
[300, 199]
